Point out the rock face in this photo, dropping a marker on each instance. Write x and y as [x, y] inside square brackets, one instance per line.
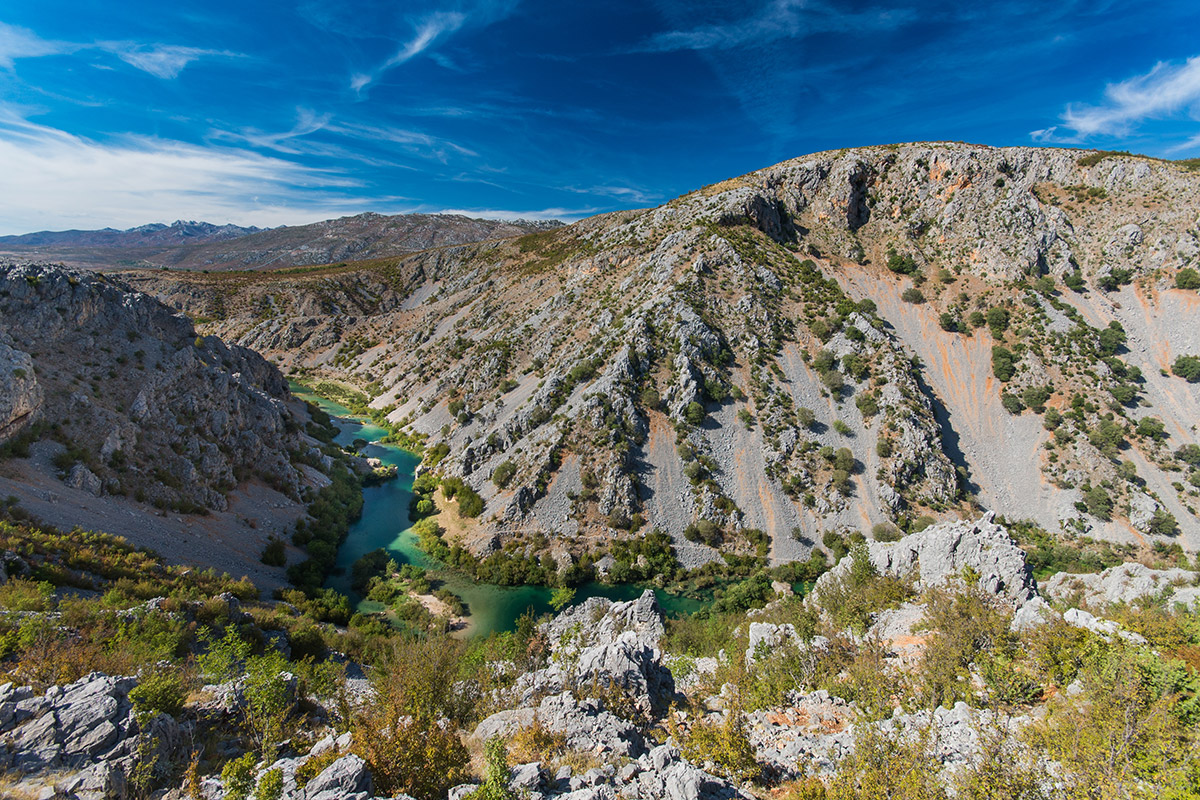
[587, 727]
[942, 551]
[148, 408]
[606, 644]
[20, 393]
[1124, 584]
[85, 732]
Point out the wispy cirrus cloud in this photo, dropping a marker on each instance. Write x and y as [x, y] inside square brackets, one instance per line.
[564, 214]
[17, 42]
[1166, 91]
[779, 19]
[160, 60]
[298, 141]
[54, 179]
[427, 31]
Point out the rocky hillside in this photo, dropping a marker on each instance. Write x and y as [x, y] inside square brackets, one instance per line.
[111, 406]
[925, 668]
[203, 246]
[851, 340]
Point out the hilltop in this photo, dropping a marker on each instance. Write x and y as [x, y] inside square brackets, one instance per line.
[860, 340]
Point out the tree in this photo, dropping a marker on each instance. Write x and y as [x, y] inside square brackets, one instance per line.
[562, 597]
[1002, 363]
[913, 295]
[901, 264]
[1151, 428]
[1098, 503]
[504, 473]
[694, 413]
[997, 320]
[1187, 278]
[1188, 368]
[1012, 404]
[1110, 339]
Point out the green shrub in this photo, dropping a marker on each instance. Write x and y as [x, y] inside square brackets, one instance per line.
[1012, 404]
[270, 785]
[694, 413]
[1163, 523]
[913, 295]
[1002, 363]
[1098, 503]
[1187, 278]
[725, 744]
[238, 777]
[997, 321]
[503, 473]
[1188, 368]
[274, 554]
[159, 692]
[900, 264]
[1035, 397]
[1151, 428]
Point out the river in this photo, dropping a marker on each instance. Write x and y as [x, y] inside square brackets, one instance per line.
[385, 523]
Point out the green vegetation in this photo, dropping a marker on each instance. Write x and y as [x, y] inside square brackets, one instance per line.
[503, 473]
[1002, 363]
[1187, 278]
[1188, 368]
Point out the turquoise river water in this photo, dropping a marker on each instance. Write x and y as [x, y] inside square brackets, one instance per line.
[385, 523]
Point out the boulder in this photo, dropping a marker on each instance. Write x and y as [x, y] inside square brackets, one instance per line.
[344, 779]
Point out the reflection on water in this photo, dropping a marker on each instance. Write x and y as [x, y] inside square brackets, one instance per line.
[385, 524]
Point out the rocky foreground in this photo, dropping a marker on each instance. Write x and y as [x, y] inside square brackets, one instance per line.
[617, 705]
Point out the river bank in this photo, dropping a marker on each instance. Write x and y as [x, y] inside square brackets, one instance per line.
[385, 524]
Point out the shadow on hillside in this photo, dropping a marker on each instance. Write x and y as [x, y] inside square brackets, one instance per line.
[950, 438]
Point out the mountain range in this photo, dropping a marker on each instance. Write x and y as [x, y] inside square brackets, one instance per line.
[204, 246]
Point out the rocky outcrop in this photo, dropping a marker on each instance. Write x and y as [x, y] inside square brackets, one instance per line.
[86, 733]
[20, 393]
[609, 645]
[943, 551]
[1124, 583]
[148, 408]
[587, 727]
[660, 774]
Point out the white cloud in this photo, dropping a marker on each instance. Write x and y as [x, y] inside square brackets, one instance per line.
[779, 19]
[565, 214]
[23, 43]
[1191, 145]
[54, 180]
[426, 31]
[1165, 91]
[160, 60]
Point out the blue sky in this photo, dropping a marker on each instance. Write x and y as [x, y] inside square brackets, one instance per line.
[121, 113]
